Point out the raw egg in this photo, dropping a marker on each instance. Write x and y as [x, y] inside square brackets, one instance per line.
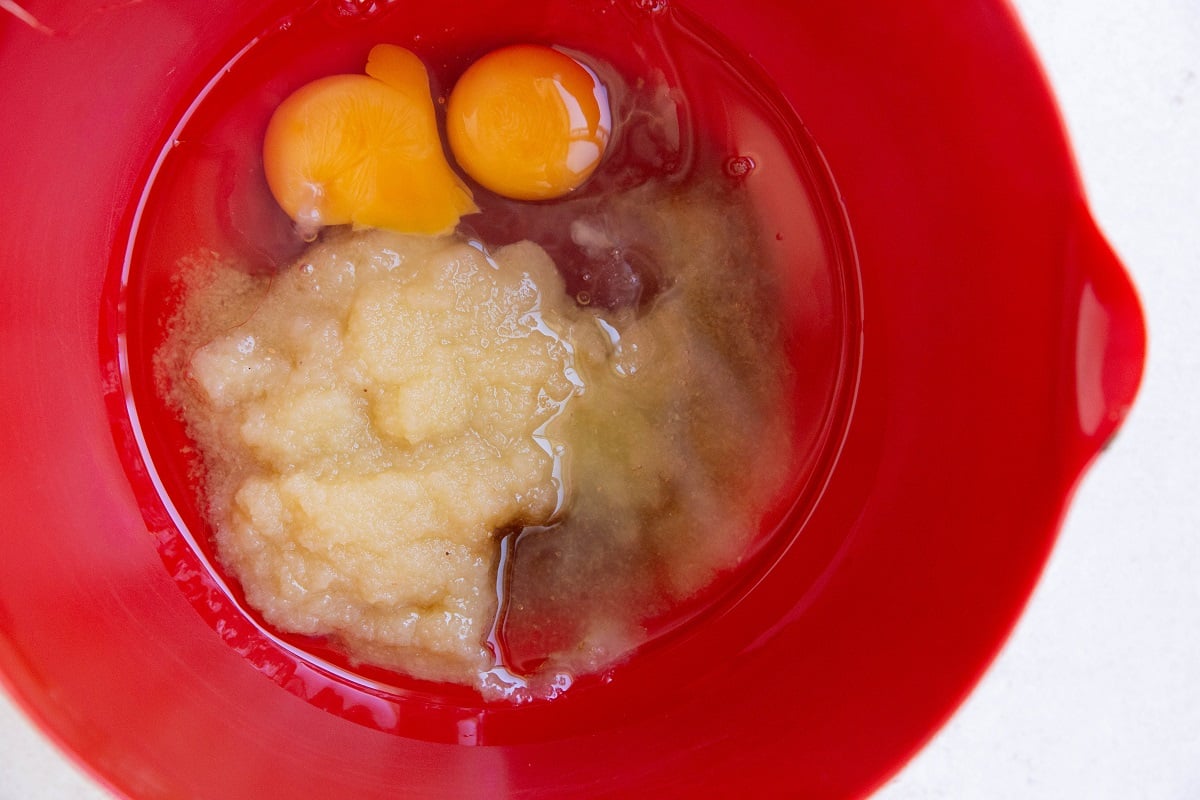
[528, 122]
[365, 149]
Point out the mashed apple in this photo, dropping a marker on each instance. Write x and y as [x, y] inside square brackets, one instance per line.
[384, 409]
[374, 419]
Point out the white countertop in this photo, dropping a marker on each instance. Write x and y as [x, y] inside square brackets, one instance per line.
[1097, 694]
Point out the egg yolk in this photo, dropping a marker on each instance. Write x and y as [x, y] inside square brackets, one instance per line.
[364, 149]
[528, 122]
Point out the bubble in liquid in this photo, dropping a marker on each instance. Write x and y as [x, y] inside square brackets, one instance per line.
[650, 6]
[360, 9]
[739, 166]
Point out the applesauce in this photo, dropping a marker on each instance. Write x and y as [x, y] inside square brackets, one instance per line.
[430, 453]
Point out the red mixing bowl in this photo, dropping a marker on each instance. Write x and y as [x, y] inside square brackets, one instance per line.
[976, 345]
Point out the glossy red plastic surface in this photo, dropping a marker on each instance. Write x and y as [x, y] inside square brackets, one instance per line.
[1001, 346]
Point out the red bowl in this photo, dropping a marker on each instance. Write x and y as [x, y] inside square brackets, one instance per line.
[985, 344]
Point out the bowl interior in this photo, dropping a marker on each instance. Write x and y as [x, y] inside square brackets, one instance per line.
[206, 193]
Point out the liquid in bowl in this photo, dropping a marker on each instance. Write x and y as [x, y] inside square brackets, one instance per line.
[206, 192]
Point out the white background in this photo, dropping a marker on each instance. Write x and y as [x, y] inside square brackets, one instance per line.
[1097, 694]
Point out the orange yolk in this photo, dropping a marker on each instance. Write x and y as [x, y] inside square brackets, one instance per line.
[528, 122]
[364, 149]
